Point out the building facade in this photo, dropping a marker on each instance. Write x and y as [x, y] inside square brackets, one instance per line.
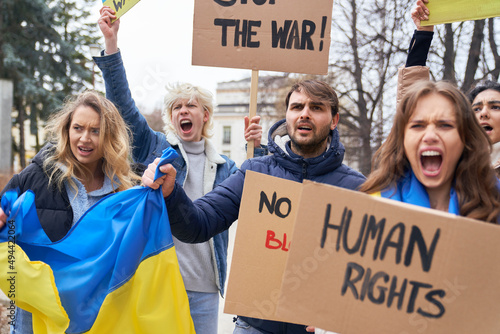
[233, 98]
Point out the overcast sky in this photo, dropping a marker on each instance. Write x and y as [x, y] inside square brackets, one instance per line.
[155, 39]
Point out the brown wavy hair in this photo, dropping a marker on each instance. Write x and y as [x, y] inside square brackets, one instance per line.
[114, 139]
[475, 180]
[320, 90]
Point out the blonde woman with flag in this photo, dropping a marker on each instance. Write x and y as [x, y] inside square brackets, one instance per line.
[82, 246]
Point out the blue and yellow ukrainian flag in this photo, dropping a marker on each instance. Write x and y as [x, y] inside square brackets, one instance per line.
[116, 270]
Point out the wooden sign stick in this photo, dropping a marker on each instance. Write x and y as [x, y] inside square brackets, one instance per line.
[254, 88]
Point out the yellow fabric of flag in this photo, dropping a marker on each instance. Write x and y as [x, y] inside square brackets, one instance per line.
[448, 11]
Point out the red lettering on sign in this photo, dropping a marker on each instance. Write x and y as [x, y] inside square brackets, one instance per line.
[273, 243]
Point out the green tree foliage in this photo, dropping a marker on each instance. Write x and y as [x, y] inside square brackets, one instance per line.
[44, 50]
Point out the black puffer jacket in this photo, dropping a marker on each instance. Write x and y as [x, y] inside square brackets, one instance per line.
[52, 205]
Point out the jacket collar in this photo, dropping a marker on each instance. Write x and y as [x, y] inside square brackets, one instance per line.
[324, 163]
[210, 150]
[40, 157]
[410, 190]
[495, 155]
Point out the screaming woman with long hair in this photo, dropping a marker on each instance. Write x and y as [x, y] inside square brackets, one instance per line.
[437, 155]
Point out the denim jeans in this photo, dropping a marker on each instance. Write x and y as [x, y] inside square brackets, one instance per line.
[24, 323]
[204, 311]
[241, 327]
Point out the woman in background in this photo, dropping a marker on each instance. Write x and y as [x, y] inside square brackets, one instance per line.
[485, 99]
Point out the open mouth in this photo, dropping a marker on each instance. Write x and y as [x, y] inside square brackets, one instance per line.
[487, 128]
[85, 150]
[186, 125]
[431, 162]
[304, 127]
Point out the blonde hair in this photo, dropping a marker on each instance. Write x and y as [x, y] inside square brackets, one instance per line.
[114, 141]
[186, 91]
[475, 180]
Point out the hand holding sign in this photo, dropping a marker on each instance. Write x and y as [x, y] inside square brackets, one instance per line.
[109, 28]
[419, 14]
[253, 130]
[120, 6]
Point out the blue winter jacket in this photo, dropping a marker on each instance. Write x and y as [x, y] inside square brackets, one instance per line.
[149, 144]
[199, 220]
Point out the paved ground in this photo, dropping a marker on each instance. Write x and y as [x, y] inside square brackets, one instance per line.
[226, 324]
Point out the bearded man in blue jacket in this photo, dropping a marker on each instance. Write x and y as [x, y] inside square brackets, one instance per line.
[305, 145]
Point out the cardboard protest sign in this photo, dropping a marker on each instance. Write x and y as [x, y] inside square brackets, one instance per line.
[361, 264]
[265, 225]
[120, 6]
[275, 35]
[448, 11]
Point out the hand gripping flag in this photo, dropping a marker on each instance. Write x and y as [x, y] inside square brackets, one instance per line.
[115, 271]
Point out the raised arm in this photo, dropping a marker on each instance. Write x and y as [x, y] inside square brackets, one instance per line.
[415, 68]
[144, 140]
[422, 37]
[109, 30]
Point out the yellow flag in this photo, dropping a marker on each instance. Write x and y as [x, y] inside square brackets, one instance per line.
[448, 11]
[120, 6]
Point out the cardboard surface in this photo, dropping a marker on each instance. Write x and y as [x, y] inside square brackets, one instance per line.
[120, 6]
[448, 11]
[265, 225]
[386, 280]
[274, 35]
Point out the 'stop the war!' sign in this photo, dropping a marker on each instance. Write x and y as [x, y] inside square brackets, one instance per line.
[273, 35]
